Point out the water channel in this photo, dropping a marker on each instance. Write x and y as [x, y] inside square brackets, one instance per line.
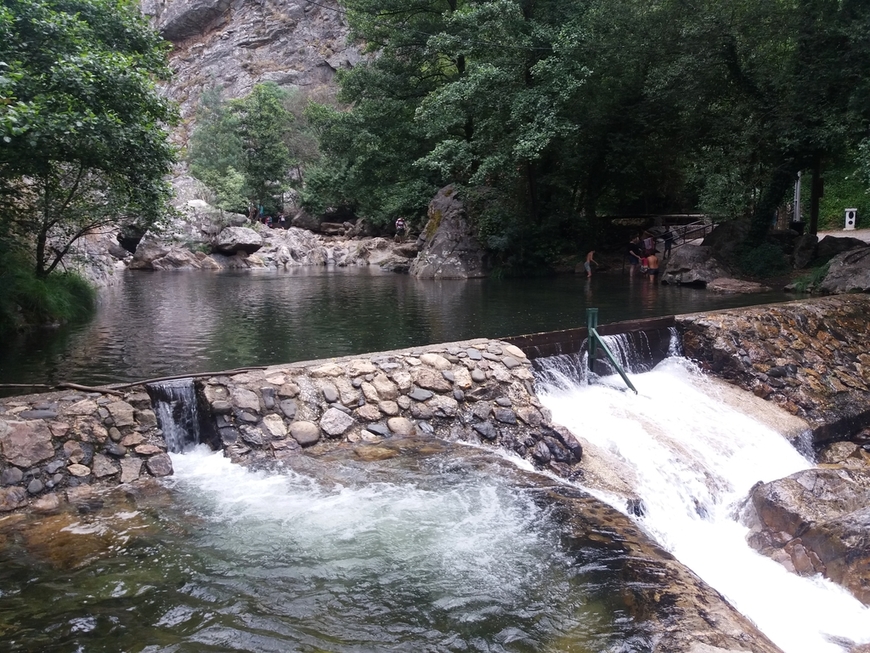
[160, 324]
[440, 548]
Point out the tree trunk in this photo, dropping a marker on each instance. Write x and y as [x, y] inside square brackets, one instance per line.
[781, 180]
[816, 192]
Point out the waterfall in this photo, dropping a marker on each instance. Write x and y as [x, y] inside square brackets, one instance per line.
[692, 458]
[633, 351]
[177, 414]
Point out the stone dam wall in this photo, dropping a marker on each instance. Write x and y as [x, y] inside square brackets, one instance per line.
[55, 447]
[810, 357]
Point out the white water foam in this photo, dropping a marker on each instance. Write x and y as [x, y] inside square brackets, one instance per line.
[473, 547]
[695, 460]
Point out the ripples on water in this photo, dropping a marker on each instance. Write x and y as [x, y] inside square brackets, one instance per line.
[436, 553]
[168, 323]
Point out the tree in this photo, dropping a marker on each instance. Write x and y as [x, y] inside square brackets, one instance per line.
[541, 103]
[248, 150]
[555, 112]
[215, 152]
[84, 128]
[787, 87]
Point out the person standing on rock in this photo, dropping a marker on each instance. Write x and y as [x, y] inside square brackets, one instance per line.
[668, 240]
[400, 229]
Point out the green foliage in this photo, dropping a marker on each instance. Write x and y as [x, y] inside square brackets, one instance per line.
[215, 152]
[29, 300]
[763, 261]
[249, 150]
[83, 124]
[810, 281]
[567, 110]
[845, 188]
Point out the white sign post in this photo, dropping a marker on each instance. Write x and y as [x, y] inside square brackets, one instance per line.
[851, 219]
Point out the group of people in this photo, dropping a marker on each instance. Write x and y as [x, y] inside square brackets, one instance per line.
[258, 213]
[642, 254]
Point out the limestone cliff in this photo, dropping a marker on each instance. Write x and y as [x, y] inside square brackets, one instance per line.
[238, 43]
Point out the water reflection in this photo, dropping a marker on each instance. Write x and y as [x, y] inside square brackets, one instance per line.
[157, 324]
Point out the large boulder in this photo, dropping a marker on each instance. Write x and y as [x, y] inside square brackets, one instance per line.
[232, 240]
[816, 521]
[830, 246]
[848, 272]
[693, 265]
[449, 248]
[177, 258]
[726, 239]
[148, 250]
[153, 254]
[805, 250]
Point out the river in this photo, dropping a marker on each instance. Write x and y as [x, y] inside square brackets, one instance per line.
[167, 323]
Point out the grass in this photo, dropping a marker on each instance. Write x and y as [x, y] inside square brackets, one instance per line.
[27, 301]
[810, 281]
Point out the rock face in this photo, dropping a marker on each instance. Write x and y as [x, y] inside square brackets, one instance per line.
[809, 356]
[693, 265]
[182, 20]
[236, 45]
[448, 247]
[817, 521]
[98, 257]
[848, 272]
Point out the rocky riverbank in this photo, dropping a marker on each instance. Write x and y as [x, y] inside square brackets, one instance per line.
[810, 358]
[818, 521]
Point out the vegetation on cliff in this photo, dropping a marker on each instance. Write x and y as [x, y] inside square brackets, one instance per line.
[84, 129]
[249, 150]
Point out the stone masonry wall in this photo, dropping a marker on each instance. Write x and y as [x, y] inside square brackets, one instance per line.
[812, 357]
[477, 391]
[56, 447]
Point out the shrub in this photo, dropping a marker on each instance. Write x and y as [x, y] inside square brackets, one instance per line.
[26, 300]
[766, 260]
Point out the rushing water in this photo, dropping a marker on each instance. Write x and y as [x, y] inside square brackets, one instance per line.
[439, 551]
[694, 460]
[173, 323]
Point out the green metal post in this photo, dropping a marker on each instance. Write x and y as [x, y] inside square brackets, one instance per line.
[594, 340]
[593, 333]
[591, 324]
